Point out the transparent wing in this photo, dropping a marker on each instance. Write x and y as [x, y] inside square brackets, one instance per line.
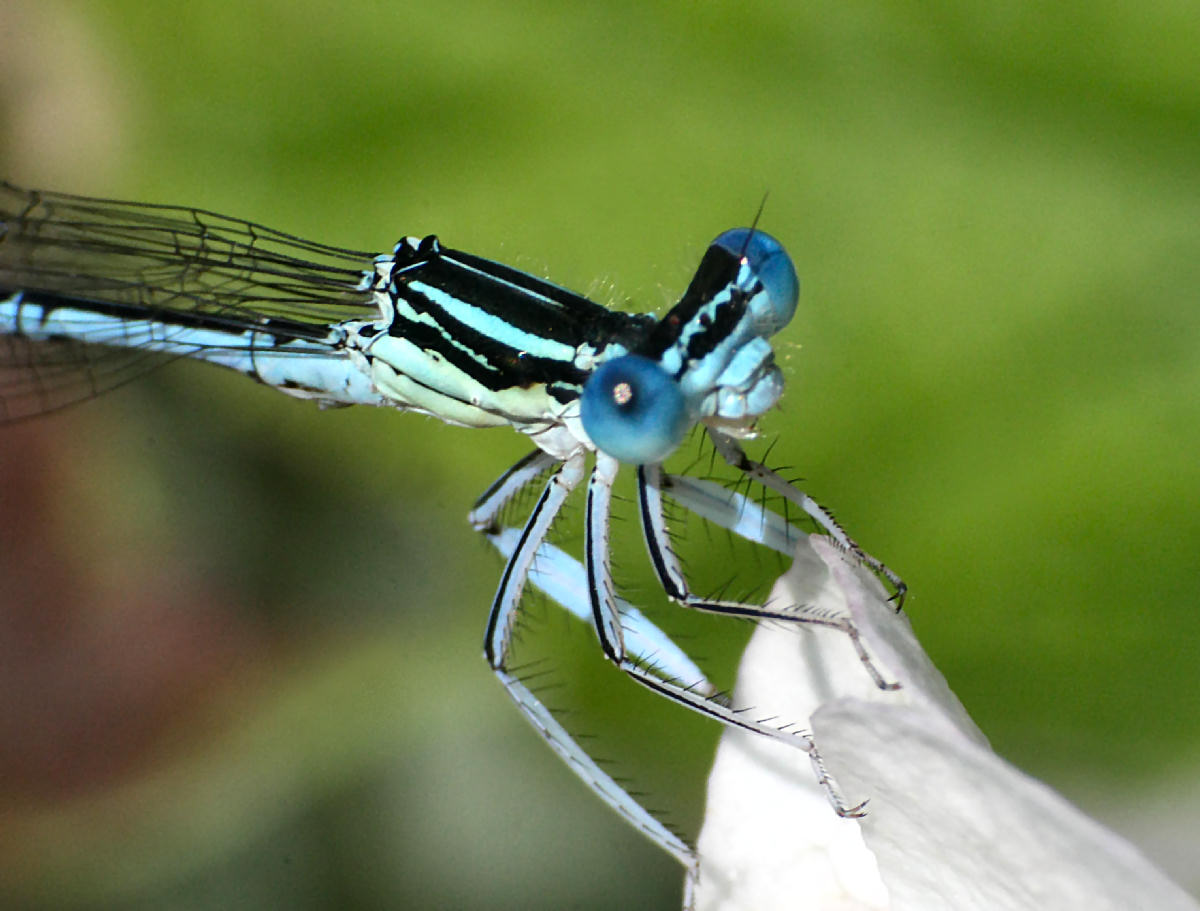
[146, 261]
[40, 377]
[173, 258]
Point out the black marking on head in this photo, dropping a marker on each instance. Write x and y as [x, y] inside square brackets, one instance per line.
[718, 270]
[724, 320]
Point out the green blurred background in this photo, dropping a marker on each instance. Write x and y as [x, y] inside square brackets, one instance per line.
[241, 665]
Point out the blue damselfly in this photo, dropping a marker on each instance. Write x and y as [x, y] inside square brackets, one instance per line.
[93, 292]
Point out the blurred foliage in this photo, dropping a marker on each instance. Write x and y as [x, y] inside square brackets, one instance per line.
[241, 636]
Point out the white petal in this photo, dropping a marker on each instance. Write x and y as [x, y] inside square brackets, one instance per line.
[950, 825]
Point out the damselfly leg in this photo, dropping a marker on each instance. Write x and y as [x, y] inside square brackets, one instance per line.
[627, 638]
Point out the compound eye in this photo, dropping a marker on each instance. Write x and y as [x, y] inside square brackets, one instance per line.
[633, 410]
[773, 267]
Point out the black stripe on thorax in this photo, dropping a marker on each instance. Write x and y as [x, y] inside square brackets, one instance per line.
[525, 301]
[531, 305]
[495, 365]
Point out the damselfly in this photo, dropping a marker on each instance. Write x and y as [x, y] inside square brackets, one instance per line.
[93, 292]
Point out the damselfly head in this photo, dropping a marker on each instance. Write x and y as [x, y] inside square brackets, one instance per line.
[707, 360]
[768, 263]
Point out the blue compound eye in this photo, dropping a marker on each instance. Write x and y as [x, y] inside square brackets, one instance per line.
[774, 268]
[633, 410]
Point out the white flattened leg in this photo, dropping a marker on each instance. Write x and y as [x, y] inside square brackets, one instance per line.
[562, 579]
[491, 502]
[732, 452]
[608, 626]
[746, 518]
[530, 545]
